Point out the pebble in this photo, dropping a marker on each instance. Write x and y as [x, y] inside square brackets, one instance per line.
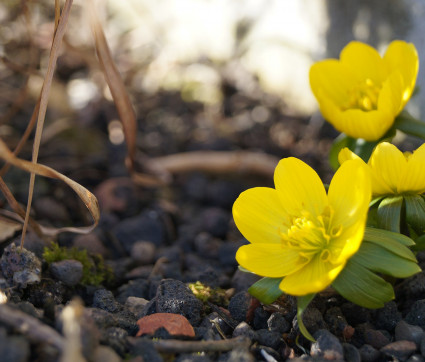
[136, 305]
[278, 323]
[50, 209]
[143, 252]
[387, 317]
[375, 338]
[146, 226]
[106, 354]
[104, 299]
[408, 332]
[313, 320]
[245, 330]
[227, 252]
[416, 358]
[416, 315]
[116, 338]
[270, 339]
[368, 353]
[260, 319]
[13, 348]
[67, 271]
[20, 267]
[215, 221]
[351, 353]
[92, 243]
[327, 346]
[144, 348]
[173, 296]
[134, 288]
[239, 355]
[335, 320]
[242, 307]
[401, 350]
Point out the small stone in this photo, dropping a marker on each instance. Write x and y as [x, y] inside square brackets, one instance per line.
[416, 358]
[401, 350]
[136, 305]
[240, 355]
[270, 339]
[147, 226]
[145, 349]
[313, 320]
[368, 353]
[50, 209]
[387, 317]
[104, 299]
[92, 243]
[278, 323]
[242, 307]
[261, 317]
[375, 338]
[20, 267]
[408, 332]
[351, 353]
[13, 348]
[215, 221]
[335, 320]
[244, 329]
[68, 271]
[134, 288]
[175, 324]
[327, 346]
[143, 252]
[116, 338]
[173, 296]
[106, 354]
[416, 315]
[241, 281]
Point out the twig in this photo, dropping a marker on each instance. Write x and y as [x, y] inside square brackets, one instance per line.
[178, 346]
[31, 327]
[216, 162]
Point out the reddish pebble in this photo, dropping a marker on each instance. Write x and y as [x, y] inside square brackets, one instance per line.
[175, 324]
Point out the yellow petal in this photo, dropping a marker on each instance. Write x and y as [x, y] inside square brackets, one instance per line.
[313, 278]
[346, 154]
[356, 123]
[414, 178]
[403, 57]
[331, 80]
[391, 95]
[268, 260]
[387, 164]
[364, 61]
[299, 187]
[259, 215]
[349, 194]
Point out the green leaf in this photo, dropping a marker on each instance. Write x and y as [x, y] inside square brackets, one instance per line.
[338, 144]
[420, 243]
[415, 212]
[361, 286]
[388, 239]
[302, 303]
[389, 213]
[375, 200]
[379, 259]
[266, 290]
[410, 125]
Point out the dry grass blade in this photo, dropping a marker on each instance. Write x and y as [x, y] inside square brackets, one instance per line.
[44, 98]
[85, 195]
[116, 86]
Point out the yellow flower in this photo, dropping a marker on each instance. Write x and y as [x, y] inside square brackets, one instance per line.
[297, 231]
[361, 93]
[392, 171]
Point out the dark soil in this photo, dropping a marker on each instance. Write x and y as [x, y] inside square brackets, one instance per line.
[155, 241]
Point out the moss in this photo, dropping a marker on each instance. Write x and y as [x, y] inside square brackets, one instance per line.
[95, 271]
[207, 294]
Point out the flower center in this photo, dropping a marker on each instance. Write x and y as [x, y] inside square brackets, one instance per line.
[312, 235]
[363, 96]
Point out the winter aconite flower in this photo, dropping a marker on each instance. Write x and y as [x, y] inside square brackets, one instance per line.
[393, 172]
[398, 185]
[297, 231]
[361, 93]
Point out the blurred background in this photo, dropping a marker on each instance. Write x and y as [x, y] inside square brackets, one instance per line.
[202, 74]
